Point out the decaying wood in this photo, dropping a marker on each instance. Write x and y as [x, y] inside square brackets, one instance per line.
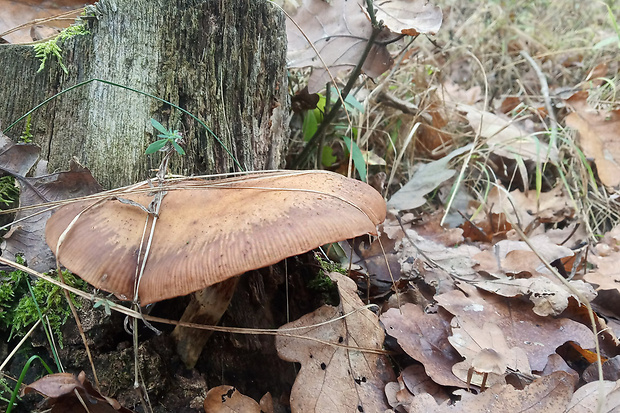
[224, 61]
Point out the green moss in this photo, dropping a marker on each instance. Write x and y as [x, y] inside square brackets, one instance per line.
[324, 285]
[19, 307]
[51, 48]
[9, 192]
[27, 134]
[13, 286]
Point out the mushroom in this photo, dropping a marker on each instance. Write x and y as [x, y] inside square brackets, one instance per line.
[485, 362]
[206, 232]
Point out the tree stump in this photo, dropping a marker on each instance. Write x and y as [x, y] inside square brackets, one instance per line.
[223, 61]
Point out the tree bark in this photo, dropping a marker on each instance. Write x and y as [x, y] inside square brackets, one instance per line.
[222, 60]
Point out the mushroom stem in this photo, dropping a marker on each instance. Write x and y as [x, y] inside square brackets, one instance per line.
[206, 307]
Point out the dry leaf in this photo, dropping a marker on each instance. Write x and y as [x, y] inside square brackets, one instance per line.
[488, 229]
[27, 236]
[335, 378]
[473, 343]
[538, 336]
[611, 370]
[425, 338]
[505, 138]
[418, 382]
[524, 208]
[516, 256]
[60, 389]
[339, 31]
[16, 13]
[17, 158]
[521, 273]
[398, 396]
[429, 227]
[599, 133]
[549, 296]
[266, 403]
[410, 17]
[548, 394]
[457, 261]
[585, 399]
[227, 399]
[425, 180]
[556, 363]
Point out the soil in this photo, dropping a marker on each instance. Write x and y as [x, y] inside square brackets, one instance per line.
[248, 362]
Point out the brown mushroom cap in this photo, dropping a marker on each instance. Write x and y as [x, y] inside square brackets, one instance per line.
[489, 361]
[209, 231]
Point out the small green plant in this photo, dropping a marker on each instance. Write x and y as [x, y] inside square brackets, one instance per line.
[9, 192]
[314, 117]
[4, 389]
[167, 137]
[323, 284]
[51, 48]
[12, 287]
[20, 380]
[27, 134]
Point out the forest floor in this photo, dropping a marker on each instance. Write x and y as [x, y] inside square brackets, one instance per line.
[495, 144]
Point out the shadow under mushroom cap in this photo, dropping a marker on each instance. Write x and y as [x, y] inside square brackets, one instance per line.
[210, 230]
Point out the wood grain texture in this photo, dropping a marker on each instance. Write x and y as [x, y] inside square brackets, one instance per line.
[224, 61]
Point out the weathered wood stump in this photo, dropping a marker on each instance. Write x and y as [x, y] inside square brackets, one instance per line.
[224, 61]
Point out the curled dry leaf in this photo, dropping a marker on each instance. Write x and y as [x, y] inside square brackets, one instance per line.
[425, 338]
[227, 399]
[60, 388]
[548, 394]
[334, 378]
[27, 235]
[538, 336]
[517, 271]
[599, 133]
[549, 296]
